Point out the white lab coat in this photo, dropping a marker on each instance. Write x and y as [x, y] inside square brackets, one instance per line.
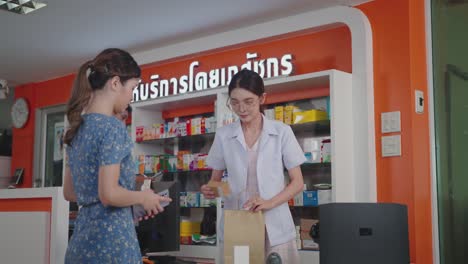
[277, 146]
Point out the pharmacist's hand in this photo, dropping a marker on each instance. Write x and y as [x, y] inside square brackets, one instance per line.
[258, 204]
[152, 202]
[208, 192]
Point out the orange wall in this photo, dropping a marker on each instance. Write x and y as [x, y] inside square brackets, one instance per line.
[38, 95]
[399, 68]
[313, 52]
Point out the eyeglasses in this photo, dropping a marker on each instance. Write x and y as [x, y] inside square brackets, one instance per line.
[249, 103]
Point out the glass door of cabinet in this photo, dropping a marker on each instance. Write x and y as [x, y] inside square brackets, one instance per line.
[450, 69]
[49, 155]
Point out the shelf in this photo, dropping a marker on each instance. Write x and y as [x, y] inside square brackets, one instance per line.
[190, 171]
[314, 166]
[308, 250]
[307, 166]
[272, 85]
[181, 172]
[211, 252]
[314, 173]
[290, 83]
[178, 101]
[311, 128]
[316, 127]
[197, 207]
[193, 139]
[194, 251]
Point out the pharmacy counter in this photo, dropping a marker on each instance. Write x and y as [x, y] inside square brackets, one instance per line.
[33, 225]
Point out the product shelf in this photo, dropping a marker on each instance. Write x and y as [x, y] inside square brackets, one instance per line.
[340, 176]
[311, 166]
[182, 172]
[194, 251]
[193, 139]
[312, 128]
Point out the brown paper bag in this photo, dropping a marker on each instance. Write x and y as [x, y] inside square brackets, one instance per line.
[244, 228]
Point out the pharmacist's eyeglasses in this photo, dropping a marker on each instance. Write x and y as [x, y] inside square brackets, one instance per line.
[248, 103]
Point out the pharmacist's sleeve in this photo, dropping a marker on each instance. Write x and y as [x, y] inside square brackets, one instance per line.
[114, 147]
[292, 153]
[215, 157]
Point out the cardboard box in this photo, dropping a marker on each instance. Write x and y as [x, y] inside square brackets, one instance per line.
[299, 199]
[172, 163]
[187, 159]
[279, 113]
[309, 116]
[203, 125]
[141, 164]
[309, 244]
[313, 157]
[310, 144]
[310, 198]
[270, 114]
[288, 114]
[183, 199]
[171, 129]
[201, 161]
[149, 164]
[326, 150]
[210, 124]
[146, 133]
[324, 196]
[186, 240]
[192, 199]
[188, 127]
[164, 162]
[156, 164]
[180, 159]
[306, 224]
[139, 133]
[195, 126]
[206, 202]
[181, 129]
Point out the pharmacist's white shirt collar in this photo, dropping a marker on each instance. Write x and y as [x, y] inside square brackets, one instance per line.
[268, 128]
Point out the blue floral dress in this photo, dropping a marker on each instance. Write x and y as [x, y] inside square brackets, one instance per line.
[102, 234]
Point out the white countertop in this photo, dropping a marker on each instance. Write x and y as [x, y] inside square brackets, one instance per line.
[54, 222]
[31, 192]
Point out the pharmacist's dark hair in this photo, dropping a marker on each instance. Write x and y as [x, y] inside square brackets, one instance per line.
[248, 80]
[92, 76]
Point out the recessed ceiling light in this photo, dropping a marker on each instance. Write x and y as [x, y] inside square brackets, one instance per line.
[20, 6]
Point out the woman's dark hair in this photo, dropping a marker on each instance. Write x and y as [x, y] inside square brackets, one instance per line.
[248, 80]
[107, 64]
[129, 109]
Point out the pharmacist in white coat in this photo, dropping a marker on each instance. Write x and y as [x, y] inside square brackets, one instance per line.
[254, 151]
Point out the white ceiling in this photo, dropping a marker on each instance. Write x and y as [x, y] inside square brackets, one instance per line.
[55, 40]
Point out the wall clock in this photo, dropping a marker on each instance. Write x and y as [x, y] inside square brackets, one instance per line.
[19, 113]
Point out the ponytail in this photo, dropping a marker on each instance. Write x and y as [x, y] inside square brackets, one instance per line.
[81, 93]
[107, 64]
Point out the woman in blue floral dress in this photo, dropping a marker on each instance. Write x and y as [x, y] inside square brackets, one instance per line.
[99, 174]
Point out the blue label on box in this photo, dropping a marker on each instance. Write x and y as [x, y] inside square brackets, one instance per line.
[310, 198]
